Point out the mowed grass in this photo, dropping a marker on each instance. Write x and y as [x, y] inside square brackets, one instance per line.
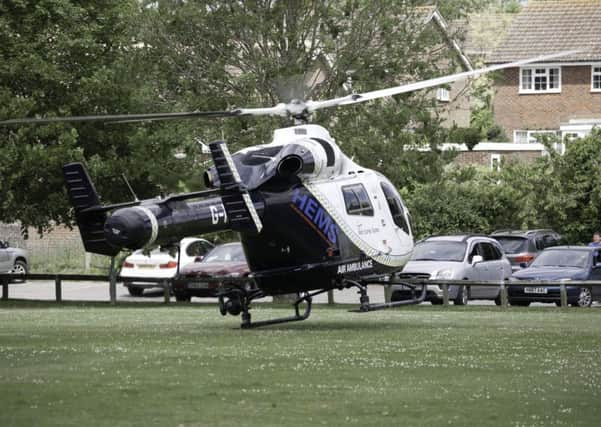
[186, 365]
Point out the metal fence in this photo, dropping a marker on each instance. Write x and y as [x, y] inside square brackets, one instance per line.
[7, 279]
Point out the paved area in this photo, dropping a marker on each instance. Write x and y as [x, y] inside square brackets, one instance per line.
[99, 291]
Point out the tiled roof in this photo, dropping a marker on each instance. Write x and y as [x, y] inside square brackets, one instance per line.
[484, 31]
[549, 26]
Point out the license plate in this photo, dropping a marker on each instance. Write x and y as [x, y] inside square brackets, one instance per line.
[146, 266]
[198, 285]
[529, 290]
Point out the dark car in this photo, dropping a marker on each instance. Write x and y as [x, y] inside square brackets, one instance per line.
[204, 277]
[522, 246]
[558, 263]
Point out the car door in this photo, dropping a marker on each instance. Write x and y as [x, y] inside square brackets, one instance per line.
[595, 274]
[489, 269]
[5, 264]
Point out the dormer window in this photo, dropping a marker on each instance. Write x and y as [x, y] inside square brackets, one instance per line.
[540, 80]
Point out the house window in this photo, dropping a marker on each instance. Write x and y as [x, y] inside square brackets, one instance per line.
[442, 95]
[540, 80]
[495, 162]
[530, 136]
[596, 78]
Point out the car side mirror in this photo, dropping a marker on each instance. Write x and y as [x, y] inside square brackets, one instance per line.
[523, 264]
[199, 258]
[476, 259]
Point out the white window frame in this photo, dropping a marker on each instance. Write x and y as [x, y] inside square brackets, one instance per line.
[593, 74]
[443, 94]
[495, 162]
[547, 74]
[530, 138]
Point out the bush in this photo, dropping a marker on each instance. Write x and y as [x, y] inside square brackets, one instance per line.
[468, 136]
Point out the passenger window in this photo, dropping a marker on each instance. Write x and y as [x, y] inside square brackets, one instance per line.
[549, 241]
[539, 243]
[196, 249]
[396, 207]
[488, 250]
[357, 201]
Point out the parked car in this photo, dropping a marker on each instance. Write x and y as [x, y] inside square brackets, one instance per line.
[522, 246]
[198, 279]
[460, 257]
[159, 263]
[13, 260]
[558, 263]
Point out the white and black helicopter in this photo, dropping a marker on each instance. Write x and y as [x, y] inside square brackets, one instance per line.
[310, 219]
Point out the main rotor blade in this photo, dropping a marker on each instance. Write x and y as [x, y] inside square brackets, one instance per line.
[382, 93]
[278, 110]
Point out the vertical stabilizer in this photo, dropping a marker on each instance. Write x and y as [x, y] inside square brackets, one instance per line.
[83, 197]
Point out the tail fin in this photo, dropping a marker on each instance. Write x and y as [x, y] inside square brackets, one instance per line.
[238, 205]
[83, 196]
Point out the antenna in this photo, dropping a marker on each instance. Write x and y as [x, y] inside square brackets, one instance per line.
[131, 190]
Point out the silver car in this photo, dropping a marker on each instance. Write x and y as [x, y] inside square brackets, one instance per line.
[13, 260]
[457, 257]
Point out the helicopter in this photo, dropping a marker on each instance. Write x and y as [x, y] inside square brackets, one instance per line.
[310, 219]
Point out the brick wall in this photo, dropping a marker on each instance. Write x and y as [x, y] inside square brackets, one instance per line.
[513, 110]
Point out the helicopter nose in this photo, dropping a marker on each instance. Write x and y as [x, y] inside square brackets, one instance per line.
[129, 228]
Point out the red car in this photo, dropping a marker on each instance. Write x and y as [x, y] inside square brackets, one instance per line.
[199, 279]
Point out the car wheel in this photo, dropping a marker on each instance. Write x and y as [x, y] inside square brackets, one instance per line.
[135, 291]
[462, 296]
[558, 303]
[20, 267]
[182, 297]
[585, 298]
[498, 300]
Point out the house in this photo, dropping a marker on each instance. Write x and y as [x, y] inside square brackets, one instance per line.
[562, 97]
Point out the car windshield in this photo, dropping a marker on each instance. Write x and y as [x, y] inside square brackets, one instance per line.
[225, 253]
[513, 245]
[562, 258]
[439, 251]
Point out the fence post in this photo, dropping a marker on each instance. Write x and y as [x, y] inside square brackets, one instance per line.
[166, 291]
[387, 293]
[331, 297]
[58, 288]
[504, 299]
[563, 294]
[5, 289]
[445, 294]
[113, 282]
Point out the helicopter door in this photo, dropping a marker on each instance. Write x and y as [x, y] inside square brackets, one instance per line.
[397, 210]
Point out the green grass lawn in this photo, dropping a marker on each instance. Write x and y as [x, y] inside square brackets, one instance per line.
[188, 366]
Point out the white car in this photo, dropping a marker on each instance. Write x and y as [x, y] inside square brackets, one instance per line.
[160, 264]
[459, 258]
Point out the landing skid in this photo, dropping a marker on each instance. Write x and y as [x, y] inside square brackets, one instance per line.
[237, 301]
[365, 306]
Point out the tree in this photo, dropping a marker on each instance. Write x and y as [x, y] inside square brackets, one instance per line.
[64, 57]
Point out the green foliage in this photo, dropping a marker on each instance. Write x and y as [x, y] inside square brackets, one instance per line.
[559, 192]
[468, 136]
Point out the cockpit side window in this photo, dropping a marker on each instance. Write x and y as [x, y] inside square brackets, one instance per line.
[396, 207]
[356, 200]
